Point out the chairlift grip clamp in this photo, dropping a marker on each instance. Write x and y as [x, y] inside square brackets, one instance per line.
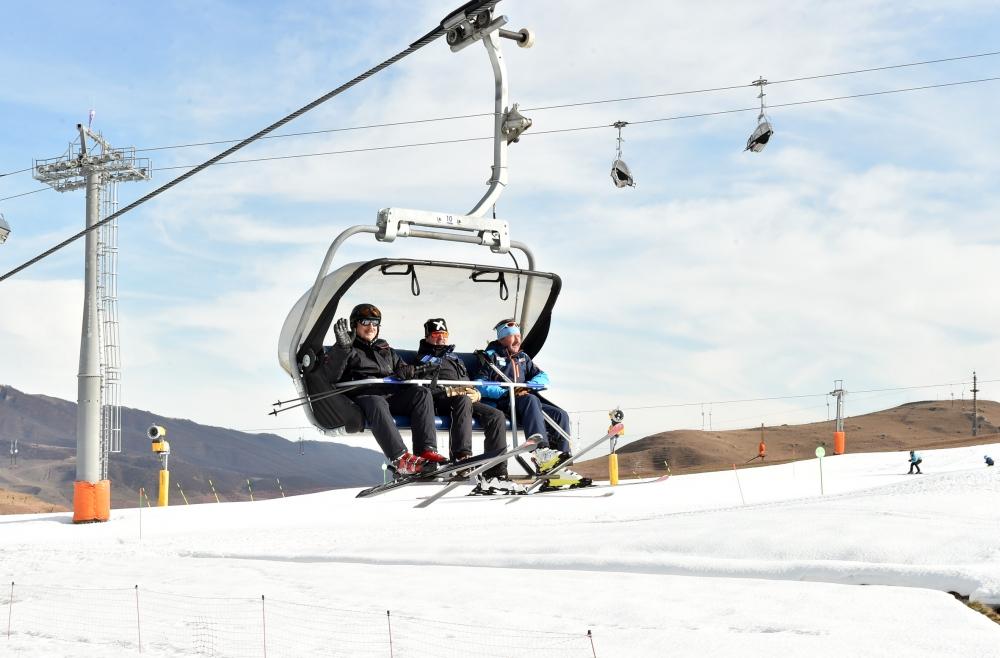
[398, 222]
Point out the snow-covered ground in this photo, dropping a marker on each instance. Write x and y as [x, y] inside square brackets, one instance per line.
[693, 565]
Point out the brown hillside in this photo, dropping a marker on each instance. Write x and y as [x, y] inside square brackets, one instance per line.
[12, 502]
[912, 426]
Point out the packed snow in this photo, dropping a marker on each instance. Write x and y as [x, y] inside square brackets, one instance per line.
[751, 562]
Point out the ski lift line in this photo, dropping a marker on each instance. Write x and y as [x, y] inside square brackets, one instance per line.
[11, 173]
[596, 126]
[325, 131]
[562, 105]
[41, 189]
[214, 161]
[413, 47]
[884, 68]
[782, 397]
[342, 152]
[591, 127]
[544, 132]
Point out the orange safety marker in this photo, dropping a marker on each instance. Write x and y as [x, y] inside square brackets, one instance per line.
[839, 442]
[91, 501]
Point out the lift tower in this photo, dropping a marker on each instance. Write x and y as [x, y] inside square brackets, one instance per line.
[91, 163]
[839, 436]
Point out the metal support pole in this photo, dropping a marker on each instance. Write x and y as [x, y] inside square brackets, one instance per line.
[975, 405]
[388, 621]
[498, 180]
[138, 627]
[88, 411]
[10, 607]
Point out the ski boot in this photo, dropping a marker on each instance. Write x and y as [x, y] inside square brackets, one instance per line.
[407, 464]
[566, 479]
[497, 486]
[465, 472]
[546, 459]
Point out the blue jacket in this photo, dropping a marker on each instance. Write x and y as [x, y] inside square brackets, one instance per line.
[519, 367]
[914, 457]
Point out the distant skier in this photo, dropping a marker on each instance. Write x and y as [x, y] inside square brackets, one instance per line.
[988, 459]
[915, 460]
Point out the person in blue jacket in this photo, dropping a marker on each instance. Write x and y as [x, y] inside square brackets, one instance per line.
[915, 460]
[505, 353]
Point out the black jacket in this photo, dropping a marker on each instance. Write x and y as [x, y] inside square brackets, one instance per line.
[364, 360]
[450, 366]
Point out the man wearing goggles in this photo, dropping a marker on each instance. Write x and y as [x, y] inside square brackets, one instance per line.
[460, 403]
[364, 355]
[505, 353]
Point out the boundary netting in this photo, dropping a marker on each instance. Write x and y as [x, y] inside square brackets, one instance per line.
[139, 620]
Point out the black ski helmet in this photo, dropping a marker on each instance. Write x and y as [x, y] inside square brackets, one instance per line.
[365, 312]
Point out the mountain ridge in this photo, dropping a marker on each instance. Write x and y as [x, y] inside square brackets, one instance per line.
[45, 428]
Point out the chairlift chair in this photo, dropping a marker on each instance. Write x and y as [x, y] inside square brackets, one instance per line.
[621, 175]
[4, 229]
[762, 133]
[472, 296]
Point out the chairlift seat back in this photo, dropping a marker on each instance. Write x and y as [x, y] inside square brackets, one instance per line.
[621, 175]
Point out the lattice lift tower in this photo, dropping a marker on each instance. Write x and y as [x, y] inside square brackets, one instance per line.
[90, 162]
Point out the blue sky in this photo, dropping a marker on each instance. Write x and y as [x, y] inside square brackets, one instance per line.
[860, 245]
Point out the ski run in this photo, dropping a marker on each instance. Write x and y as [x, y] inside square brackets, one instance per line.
[680, 567]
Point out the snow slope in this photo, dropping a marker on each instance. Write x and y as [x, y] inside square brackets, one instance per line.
[694, 565]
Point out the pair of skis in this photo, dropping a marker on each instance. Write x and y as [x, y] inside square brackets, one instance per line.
[451, 469]
[539, 480]
[478, 465]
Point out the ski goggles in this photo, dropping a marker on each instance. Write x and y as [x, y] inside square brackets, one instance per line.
[438, 334]
[369, 322]
[506, 328]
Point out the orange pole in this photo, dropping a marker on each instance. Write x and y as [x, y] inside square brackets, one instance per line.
[839, 442]
[91, 501]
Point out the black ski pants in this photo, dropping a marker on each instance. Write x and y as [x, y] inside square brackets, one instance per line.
[380, 403]
[461, 410]
[915, 465]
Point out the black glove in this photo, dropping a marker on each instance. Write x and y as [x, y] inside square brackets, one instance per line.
[343, 333]
[423, 371]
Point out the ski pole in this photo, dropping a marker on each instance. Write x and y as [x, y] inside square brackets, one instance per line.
[307, 399]
[548, 419]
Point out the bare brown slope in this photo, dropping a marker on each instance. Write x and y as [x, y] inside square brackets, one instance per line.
[13, 502]
[912, 426]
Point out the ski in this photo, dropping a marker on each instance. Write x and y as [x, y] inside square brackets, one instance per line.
[555, 493]
[446, 470]
[480, 468]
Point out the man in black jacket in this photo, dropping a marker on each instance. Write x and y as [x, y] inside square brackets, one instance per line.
[460, 403]
[365, 356]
